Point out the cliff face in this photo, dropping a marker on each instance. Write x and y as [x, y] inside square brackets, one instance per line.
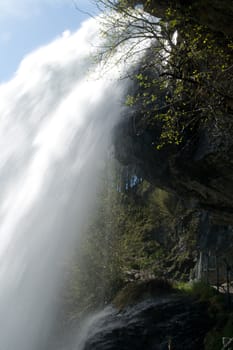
[199, 170]
[216, 14]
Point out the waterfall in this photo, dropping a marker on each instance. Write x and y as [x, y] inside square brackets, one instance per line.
[56, 117]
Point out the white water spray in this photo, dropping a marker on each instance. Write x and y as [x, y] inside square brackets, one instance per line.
[55, 123]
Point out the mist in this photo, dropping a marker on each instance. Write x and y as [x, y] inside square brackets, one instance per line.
[56, 115]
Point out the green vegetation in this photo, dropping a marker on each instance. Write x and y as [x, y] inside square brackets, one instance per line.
[201, 290]
[131, 237]
[218, 311]
[184, 79]
[135, 292]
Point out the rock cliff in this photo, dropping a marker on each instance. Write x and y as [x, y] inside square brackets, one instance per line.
[198, 172]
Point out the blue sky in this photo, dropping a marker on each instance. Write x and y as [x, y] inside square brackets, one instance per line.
[28, 24]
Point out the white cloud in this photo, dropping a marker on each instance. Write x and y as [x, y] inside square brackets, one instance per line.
[66, 34]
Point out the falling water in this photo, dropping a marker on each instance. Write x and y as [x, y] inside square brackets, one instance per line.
[56, 117]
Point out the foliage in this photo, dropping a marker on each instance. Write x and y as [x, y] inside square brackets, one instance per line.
[184, 287]
[125, 240]
[118, 239]
[138, 291]
[203, 292]
[185, 74]
[223, 328]
[222, 319]
[96, 274]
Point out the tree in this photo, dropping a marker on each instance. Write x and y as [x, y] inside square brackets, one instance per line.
[185, 74]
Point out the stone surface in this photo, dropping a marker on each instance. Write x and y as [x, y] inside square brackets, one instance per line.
[200, 171]
[152, 325]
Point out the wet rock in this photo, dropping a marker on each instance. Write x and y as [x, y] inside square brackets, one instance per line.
[152, 325]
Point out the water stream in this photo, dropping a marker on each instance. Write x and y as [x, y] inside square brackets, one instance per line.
[56, 117]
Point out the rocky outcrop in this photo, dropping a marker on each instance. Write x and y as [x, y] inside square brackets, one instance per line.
[175, 322]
